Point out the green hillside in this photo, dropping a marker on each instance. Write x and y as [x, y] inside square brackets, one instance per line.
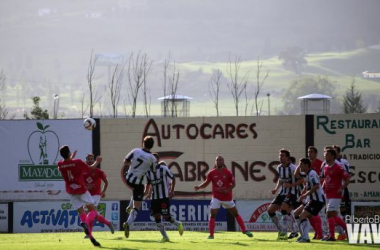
[340, 67]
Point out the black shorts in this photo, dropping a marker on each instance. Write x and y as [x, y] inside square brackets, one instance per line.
[297, 204]
[314, 207]
[291, 200]
[346, 201]
[160, 206]
[138, 191]
[278, 200]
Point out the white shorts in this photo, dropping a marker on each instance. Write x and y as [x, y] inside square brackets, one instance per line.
[215, 204]
[333, 205]
[96, 199]
[80, 200]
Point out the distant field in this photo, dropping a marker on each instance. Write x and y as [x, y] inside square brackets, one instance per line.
[340, 67]
[148, 240]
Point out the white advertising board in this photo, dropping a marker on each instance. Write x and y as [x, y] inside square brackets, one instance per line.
[29, 151]
[4, 217]
[58, 216]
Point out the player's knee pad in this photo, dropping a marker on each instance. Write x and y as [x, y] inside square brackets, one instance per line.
[284, 212]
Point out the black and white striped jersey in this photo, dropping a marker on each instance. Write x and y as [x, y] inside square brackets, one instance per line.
[312, 179]
[344, 163]
[160, 179]
[141, 162]
[286, 175]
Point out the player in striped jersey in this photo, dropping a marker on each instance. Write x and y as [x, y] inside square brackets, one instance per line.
[160, 188]
[138, 162]
[287, 197]
[313, 190]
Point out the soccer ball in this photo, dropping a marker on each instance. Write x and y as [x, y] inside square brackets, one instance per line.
[89, 123]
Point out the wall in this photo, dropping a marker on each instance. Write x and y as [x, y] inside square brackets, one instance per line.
[359, 137]
[189, 146]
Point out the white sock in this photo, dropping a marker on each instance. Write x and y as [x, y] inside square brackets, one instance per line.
[304, 227]
[161, 227]
[132, 216]
[285, 221]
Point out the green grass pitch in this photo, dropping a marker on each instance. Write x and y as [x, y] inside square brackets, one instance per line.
[149, 240]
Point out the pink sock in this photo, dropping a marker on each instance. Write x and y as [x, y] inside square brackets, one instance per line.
[331, 223]
[318, 226]
[241, 223]
[82, 217]
[90, 220]
[339, 221]
[103, 220]
[211, 226]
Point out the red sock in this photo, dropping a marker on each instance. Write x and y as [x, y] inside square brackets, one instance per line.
[90, 220]
[331, 223]
[82, 217]
[103, 220]
[318, 226]
[241, 223]
[211, 226]
[313, 223]
[339, 221]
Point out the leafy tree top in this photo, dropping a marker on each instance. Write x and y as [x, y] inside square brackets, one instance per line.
[37, 112]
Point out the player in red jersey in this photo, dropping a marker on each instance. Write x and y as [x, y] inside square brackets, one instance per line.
[222, 184]
[334, 175]
[316, 164]
[93, 178]
[72, 173]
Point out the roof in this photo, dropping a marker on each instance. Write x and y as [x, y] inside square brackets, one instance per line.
[175, 97]
[315, 96]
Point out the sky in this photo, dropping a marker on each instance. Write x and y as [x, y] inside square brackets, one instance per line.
[45, 46]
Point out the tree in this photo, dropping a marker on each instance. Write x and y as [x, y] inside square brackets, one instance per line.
[352, 101]
[293, 58]
[147, 99]
[138, 70]
[304, 86]
[94, 98]
[170, 87]
[37, 112]
[259, 85]
[114, 88]
[83, 108]
[4, 111]
[237, 84]
[214, 88]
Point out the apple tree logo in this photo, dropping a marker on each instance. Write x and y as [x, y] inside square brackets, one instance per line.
[43, 148]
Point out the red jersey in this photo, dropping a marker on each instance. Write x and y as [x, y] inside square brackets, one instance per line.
[72, 174]
[93, 180]
[316, 166]
[221, 179]
[334, 176]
